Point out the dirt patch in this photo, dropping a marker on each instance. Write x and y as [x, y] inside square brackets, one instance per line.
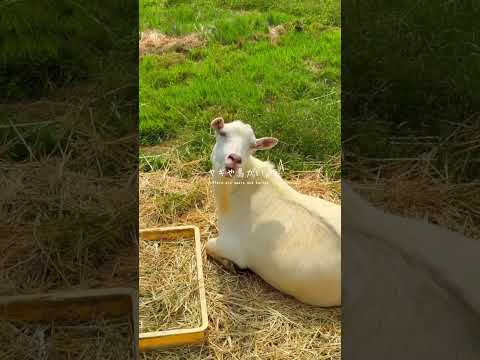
[275, 32]
[313, 66]
[154, 42]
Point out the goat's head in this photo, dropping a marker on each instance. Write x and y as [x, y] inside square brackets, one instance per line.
[235, 142]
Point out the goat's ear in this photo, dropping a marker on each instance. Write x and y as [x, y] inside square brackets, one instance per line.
[217, 123]
[265, 143]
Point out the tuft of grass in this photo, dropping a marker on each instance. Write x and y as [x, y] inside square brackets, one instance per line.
[177, 202]
[153, 162]
[182, 17]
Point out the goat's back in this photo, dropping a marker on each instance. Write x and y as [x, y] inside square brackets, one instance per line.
[294, 244]
[412, 286]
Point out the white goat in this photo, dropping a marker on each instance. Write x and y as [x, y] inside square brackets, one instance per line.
[289, 239]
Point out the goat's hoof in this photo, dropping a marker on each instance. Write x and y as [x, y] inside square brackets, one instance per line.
[210, 247]
[228, 265]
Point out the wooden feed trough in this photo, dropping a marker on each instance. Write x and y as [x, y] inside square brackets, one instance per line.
[76, 305]
[180, 336]
[110, 303]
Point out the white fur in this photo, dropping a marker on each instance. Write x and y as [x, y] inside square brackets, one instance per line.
[413, 286]
[289, 239]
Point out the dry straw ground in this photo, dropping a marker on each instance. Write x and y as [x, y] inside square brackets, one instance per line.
[59, 340]
[248, 318]
[65, 206]
[440, 185]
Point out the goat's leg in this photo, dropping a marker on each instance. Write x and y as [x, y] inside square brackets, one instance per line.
[214, 253]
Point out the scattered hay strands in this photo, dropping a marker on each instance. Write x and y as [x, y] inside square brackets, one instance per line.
[250, 320]
[102, 339]
[411, 192]
[55, 235]
[438, 182]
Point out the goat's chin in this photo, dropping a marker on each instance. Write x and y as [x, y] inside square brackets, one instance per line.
[226, 171]
[230, 171]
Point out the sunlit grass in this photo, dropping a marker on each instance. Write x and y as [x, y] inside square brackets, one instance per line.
[291, 90]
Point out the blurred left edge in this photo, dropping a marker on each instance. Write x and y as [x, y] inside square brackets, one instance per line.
[81, 305]
[68, 179]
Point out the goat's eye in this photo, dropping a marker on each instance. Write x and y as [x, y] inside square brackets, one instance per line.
[222, 133]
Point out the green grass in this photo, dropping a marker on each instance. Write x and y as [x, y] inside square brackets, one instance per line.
[183, 16]
[180, 203]
[291, 91]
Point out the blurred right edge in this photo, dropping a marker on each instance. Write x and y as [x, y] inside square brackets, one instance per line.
[410, 180]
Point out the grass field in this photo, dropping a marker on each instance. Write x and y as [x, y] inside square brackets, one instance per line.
[290, 89]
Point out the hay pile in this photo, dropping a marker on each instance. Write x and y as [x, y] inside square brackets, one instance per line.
[66, 204]
[436, 179]
[168, 290]
[248, 318]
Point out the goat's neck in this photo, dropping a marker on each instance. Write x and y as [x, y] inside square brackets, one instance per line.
[224, 187]
[255, 164]
[269, 176]
[259, 174]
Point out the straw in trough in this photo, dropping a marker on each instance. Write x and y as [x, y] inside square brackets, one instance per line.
[168, 286]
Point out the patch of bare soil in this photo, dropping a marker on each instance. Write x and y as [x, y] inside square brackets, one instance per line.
[313, 66]
[155, 42]
[275, 32]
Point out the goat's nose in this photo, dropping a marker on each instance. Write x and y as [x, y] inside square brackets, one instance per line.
[235, 158]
